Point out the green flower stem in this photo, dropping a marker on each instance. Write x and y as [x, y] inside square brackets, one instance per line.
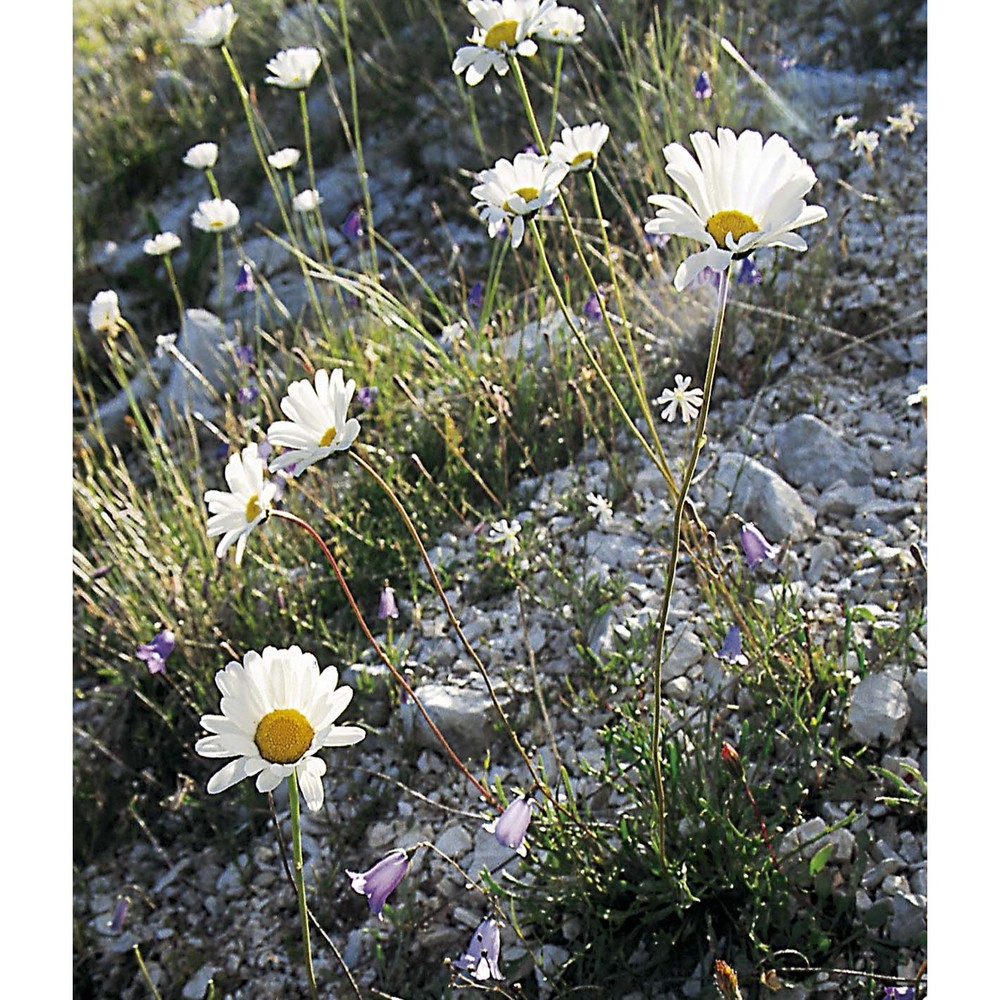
[400, 679]
[675, 545]
[212, 183]
[303, 107]
[174, 287]
[300, 882]
[145, 973]
[555, 93]
[222, 274]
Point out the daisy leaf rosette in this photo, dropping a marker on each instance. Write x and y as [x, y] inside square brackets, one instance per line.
[743, 194]
[237, 513]
[510, 191]
[278, 710]
[318, 424]
[502, 27]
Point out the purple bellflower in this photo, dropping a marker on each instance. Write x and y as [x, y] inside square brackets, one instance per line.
[366, 396]
[592, 307]
[387, 607]
[732, 648]
[351, 226]
[755, 546]
[379, 881]
[512, 825]
[246, 394]
[899, 993]
[244, 280]
[482, 958]
[702, 87]
[244, 354]
[476, 295]
[748, 273]
[155, 653]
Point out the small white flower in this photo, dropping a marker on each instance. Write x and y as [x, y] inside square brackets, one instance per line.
[237, 513]
[202, 156]
[689, 400]
[580, 145]
[502, 26]
[215, 215]
[563, 25]
[293, 69]
[211, 27]
[905, 122]
[452, 334]
[508, 192]
[104, 315]
[318, 424]
[864, 143]
[166, 345]
[844, 125]
[599, 508]
[743, 194]
[161, 244]
[307, 201]
[918, 398]
[278, 711]
[284, 159]
[504, 534]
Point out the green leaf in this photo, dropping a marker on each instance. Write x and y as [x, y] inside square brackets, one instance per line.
[820, 858]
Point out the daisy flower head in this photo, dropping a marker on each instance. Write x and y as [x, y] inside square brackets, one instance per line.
[161, 244]
[307, 201]
[293, 69]
[562, 25]
[215, 215]
[743, 194]
[688, 400]
[236, 513]
[505, 534]
[509, 192]
[202, 156]
[278, 711]
[318, 424]
[104, 314]
[502, 27]
[284, 159]
[211, 27]
[580, 145]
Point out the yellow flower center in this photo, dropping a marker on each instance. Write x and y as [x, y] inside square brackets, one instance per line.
[502, 33]
[283, 736]
[737, 223]
[253, 508]
[217, 224]
[328, 435]
[581, 158]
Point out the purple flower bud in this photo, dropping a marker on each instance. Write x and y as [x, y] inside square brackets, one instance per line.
[244, 355]
[755, 546]
[244, 280]
[246, 394]
[351, 226]
[155, 653]
[387, 602]
[709, 276]
[366, 396]
[657, 240]
[511, 827]
[264, 449]
[592, 307]
[530, 148]
[379, 882]
[476, 296]
[482, 958]
[118, 916]
[785, 63]
[748, 273]
[732, 648]
[702, 87]
[899, 993]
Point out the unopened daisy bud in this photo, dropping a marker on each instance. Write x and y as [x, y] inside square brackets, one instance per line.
[512, 825]
[755, 546]
[379, 882]
[726, 982]
[104, 315]
[387, 607]
[284, 159]
[731, 758]
[307, 201]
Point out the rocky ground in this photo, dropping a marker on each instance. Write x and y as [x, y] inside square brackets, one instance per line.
[828, 459]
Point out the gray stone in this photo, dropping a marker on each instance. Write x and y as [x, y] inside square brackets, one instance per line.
[455, 841]
[879, 710]
[464, 716]
[808, 838]
[809, 451]
[908, 923]
[197, 985]
[758, 494]
[682, 653]
[201, 365]
[840, 499]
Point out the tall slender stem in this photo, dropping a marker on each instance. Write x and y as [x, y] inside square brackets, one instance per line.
[300, 882]
[675, 545]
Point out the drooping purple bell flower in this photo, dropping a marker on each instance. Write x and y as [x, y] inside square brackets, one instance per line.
[381, 880]
[512, 825]
[899, 993]
[118, 916]
[244, 354]
[244, 280]
[482, 958]
[732, 648]
[748, 273]
[366, 396]
[702, 87]
[592, 307]
[154, 654]
[351, 226]
[476, 295]
[246, 394]
[755, 546]
[387, 607]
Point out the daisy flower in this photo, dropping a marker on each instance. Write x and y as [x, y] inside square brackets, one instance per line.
[318, 424]
[600, 509]
[580, 145]
[563, 25]
[215, 215]
[104, 314]
[744, 194]
[505, 534]
[161, 244]
[284, 159]
[502, 27]
[278, 711]
[293, 69]
[307, 201]
[689, 400]
[237, 513]
[211, 27]
[202, 156]
[508, 192]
